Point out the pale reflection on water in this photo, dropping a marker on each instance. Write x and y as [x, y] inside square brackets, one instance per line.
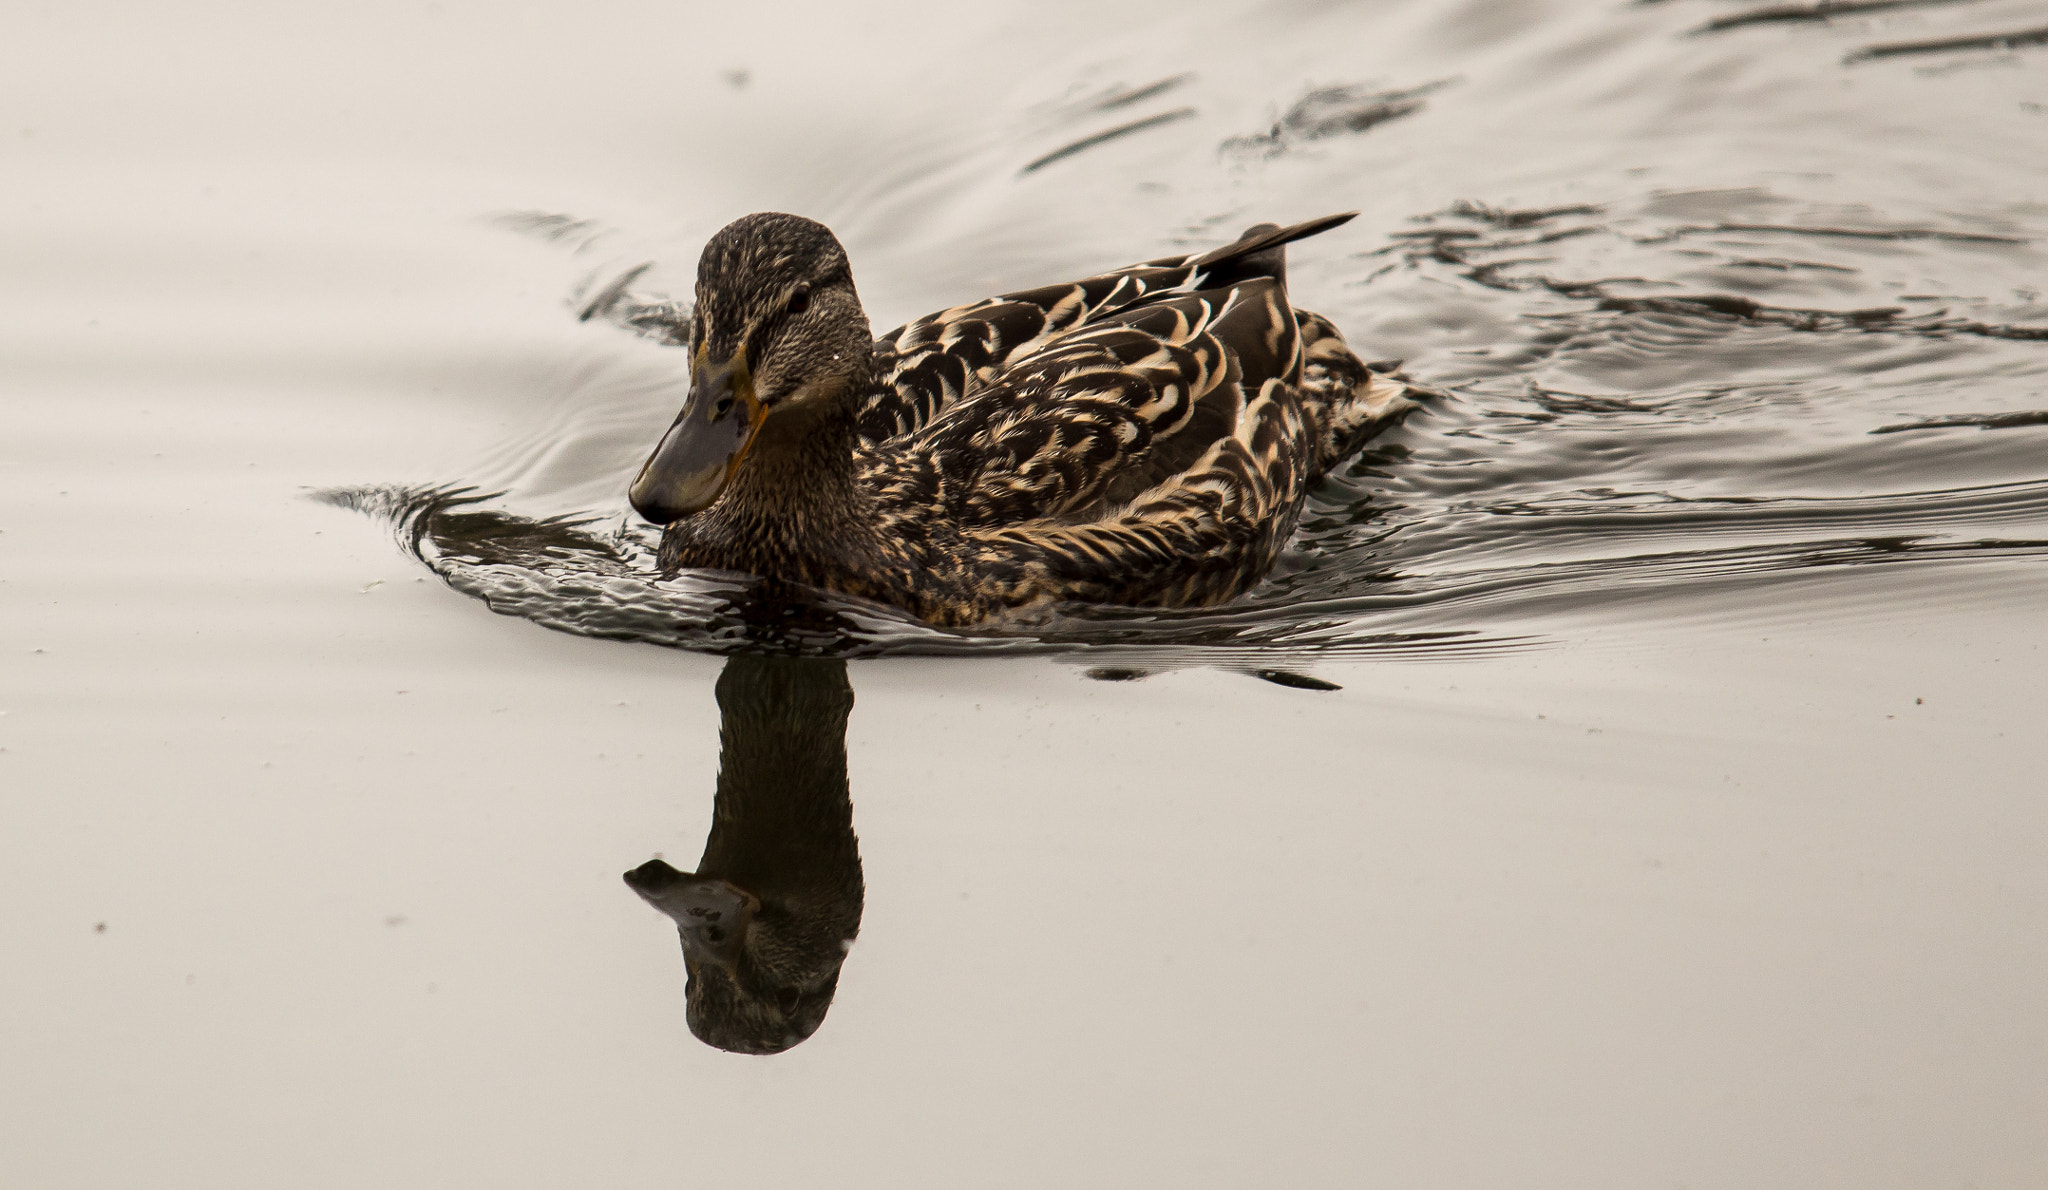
[1693, 840]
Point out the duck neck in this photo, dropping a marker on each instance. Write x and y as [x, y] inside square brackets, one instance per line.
[797, 489]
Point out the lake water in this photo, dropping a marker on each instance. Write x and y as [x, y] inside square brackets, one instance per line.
[1645, 786]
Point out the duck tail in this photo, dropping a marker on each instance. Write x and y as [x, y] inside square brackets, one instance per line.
[1347, 400]
[1260, 252]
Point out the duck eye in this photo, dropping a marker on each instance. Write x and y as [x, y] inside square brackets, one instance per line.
[800, 300]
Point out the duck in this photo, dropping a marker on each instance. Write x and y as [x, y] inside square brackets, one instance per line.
[1145, 436]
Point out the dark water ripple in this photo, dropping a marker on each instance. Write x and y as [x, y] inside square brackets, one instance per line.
[1481, 577]
[567, 574]
[1824, 10]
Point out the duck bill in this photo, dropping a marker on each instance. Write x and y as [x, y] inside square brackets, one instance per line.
[702, 450]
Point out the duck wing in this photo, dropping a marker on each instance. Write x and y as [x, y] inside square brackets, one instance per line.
[1084, 426]
[930, 365]
[1200, 529]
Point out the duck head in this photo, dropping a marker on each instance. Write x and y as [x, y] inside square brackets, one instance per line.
[778, 334]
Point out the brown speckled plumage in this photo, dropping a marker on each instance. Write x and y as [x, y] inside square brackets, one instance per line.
[1146, 436]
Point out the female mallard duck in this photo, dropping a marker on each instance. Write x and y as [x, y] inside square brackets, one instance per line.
[1146, 436]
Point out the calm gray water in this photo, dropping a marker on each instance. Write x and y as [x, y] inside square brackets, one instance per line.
[1675, 819]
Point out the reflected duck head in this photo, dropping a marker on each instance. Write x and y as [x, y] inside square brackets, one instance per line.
[761, 976]
[777, 337]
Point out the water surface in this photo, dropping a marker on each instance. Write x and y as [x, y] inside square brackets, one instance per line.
[1675, 820]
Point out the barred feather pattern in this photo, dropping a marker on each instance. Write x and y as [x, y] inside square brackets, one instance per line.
[926, 366]
[1156, 454]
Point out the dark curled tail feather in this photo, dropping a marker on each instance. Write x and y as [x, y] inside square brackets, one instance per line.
[1259, 252]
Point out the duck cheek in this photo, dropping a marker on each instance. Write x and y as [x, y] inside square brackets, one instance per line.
[698, 455]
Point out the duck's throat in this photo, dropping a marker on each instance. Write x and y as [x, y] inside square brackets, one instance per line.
[792, 509]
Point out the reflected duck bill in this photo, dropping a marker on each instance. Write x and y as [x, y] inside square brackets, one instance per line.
[712, 914]
[701, 451]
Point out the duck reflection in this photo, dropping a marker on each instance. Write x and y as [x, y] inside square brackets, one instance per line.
[774, 905]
